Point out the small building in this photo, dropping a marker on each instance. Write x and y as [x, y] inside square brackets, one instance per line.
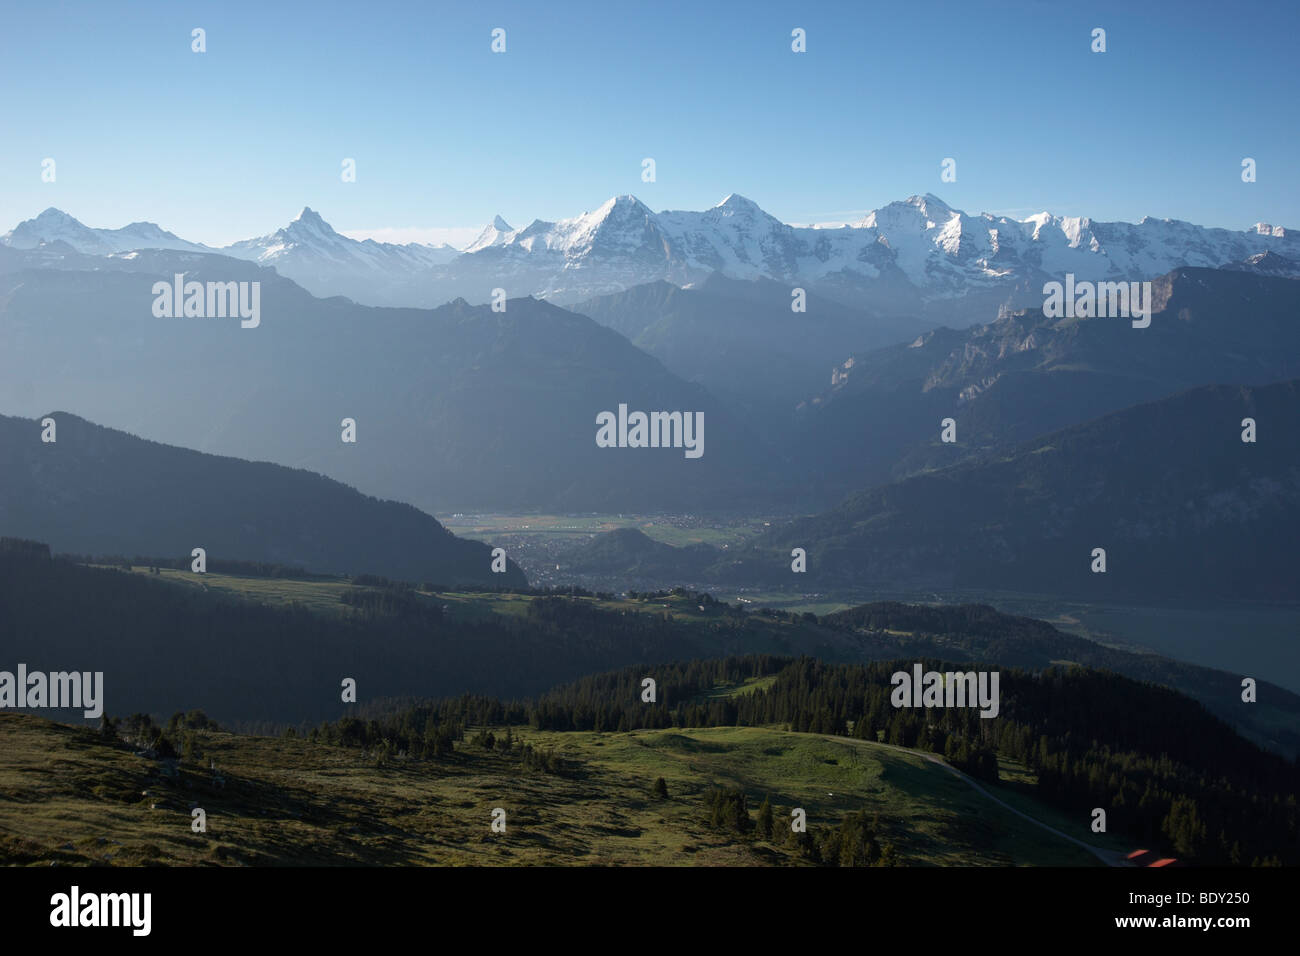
[1148, 858]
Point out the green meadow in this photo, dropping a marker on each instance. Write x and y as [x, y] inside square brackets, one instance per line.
[69, 799]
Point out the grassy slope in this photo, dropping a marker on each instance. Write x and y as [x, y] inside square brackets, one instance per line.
[316, 595]
[324, 596]
[64, 797]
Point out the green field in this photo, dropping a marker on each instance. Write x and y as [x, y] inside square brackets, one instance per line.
[67, 798]
[324, 595]
[677, 531]
[316, 595]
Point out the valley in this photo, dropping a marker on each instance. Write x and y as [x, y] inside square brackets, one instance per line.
[568, 451]
[540, 542]
[1253, 636]
[915, 461]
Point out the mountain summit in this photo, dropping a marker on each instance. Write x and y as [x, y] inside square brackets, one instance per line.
[310, 252]
[55, 225]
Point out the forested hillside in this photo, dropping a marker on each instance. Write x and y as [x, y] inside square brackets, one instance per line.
[272, 663]
[1164, 769]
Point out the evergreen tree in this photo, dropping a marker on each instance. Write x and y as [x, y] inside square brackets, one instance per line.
[1184, 827]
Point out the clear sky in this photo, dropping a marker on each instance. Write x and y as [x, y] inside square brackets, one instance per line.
[231, 143]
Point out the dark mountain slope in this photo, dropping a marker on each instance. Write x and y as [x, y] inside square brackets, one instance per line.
[741, 339]
[100, 491]
[1183, 508]
[1025, 375]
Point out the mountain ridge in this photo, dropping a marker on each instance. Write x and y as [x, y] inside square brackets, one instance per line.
[908, 254]
[99, 490]
[1182, 506]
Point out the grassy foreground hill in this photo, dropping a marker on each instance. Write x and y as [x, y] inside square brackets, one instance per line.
[69, 798]
[596, 771]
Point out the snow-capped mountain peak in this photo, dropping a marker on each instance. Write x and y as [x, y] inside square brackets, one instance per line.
[494, 234]
[616, 209]
[325, 262]
[310, 217]
[622, 221]
[930, 204]
[55, 225]
[53, 217]
[620, 224]
[738, 207]
[307, 227]
[737, 202]
[911, 214]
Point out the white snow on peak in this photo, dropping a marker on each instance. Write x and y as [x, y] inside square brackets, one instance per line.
[494, 234]
[737, 201]
[929, 202]
[941, 251]
[310, 217]
[619, 223]
[310, 239]
[55, 225]
[310, 252]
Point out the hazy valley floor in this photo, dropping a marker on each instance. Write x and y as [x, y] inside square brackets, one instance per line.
[1255, 638]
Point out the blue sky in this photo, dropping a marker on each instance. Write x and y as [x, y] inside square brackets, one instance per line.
[233, 142]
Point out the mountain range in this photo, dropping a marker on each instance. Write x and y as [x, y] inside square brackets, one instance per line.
[458, 408]
[741, 340]
[916, 256]
[450, 401]
[307, 250]
[1070, 433]
[1024, 374]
